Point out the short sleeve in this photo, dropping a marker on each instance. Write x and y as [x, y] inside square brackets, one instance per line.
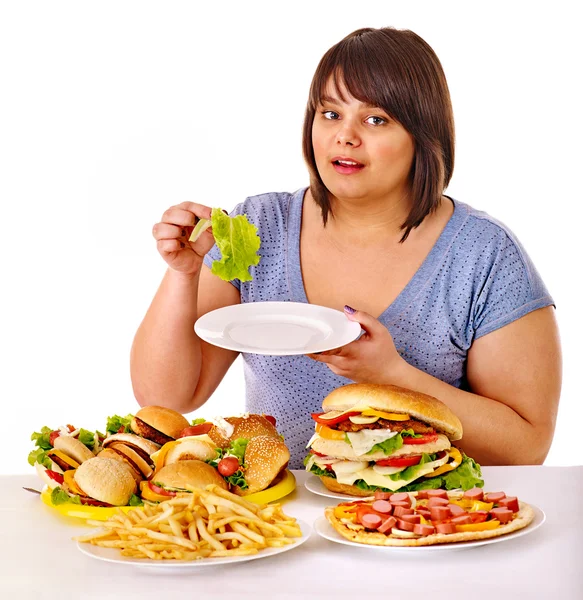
[512, 288]
[215, 254]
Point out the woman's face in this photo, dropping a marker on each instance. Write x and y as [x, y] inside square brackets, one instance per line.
[360, 152]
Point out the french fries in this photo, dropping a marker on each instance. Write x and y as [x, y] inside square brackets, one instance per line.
[201, 524]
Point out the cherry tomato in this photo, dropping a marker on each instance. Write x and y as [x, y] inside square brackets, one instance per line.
[228, 466]
[334, 421]
[196, 429]
[270, 419]
[400, 461]
[424, 439]
[58, 477]
[160, 490]
[53, 436]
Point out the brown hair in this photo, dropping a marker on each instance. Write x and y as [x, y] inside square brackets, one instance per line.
[397, 71]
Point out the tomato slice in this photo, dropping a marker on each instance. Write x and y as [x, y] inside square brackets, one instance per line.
[58, 477]
[160, 490]
[335, 420]
[199, 429]
[317, 453]
[400, 461]
[270, 419]
[53, 436]
[424, 439]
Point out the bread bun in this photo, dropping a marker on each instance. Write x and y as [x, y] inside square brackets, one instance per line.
[114, 455]
[73, 447]
[185, 473]
[106, 480]
[164, 420]
[147, 446]
[391, 398]
[342, 488]
[265, 458]
[190, 449]
[246, 427]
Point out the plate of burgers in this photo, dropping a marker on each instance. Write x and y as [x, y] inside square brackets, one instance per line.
[143, 458]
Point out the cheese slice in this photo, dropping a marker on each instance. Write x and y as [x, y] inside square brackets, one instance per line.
[363, 441]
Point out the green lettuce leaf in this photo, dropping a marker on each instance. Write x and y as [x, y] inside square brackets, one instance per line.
[39, 456]
[60, 496]
[87, 438]
[238, 242]
[198, 421]
[135, 501]
[411, 471]
[116, 422]
[388, 446]
[41, 438]
[466, 476]
[237, 448]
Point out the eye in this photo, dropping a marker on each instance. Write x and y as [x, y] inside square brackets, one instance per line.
[330, 114]
[374, 120]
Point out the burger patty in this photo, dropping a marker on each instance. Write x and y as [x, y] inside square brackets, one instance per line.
[416, 426]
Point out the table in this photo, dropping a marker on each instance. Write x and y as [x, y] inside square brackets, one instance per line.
[38, 560]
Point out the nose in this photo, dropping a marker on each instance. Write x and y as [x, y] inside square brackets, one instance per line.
[347, 135]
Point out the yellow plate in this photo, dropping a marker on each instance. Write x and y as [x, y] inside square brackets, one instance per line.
[286, 485]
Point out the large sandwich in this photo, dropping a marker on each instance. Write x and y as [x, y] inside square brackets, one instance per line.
[383, 437]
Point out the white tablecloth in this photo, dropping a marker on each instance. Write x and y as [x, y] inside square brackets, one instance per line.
[38, 560]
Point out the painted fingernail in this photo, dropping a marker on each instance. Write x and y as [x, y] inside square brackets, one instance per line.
[182, 244]
[184, 232]
[225, 211]
[349, 310]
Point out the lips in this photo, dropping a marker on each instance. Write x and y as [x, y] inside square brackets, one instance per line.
[346, 166]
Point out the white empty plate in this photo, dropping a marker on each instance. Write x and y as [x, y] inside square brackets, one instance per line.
[277, 328]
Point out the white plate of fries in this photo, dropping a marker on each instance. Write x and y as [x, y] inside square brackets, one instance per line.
[202, 528]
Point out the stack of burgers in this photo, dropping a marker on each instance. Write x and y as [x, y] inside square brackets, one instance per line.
[382, 437]
[157, 454]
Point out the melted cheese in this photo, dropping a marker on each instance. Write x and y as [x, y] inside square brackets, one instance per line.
[363, 441]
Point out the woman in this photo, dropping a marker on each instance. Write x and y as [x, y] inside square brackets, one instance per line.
[448, 299]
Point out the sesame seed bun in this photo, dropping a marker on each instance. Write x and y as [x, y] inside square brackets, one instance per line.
[265, 458]
[395, 399]
[183, 473]
[73, 447]
[247, 427]
[106, 480]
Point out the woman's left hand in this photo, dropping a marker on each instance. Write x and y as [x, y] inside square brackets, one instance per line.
[372, 358]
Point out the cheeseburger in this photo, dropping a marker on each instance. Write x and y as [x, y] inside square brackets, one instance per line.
[383, 437]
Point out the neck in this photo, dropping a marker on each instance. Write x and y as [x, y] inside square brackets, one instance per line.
[366, 221]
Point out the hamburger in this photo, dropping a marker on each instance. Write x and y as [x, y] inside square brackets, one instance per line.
[102, 481]
[134, 451]
[387, 438]
[177, 477]
[158, 424]
[58, 453]
[247, 451]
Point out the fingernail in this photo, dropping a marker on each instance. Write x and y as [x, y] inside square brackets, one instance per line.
[182, 245]
[184, 232]
[349, 310]
[225, 211]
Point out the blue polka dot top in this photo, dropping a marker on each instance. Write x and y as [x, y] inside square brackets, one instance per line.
[476, 279]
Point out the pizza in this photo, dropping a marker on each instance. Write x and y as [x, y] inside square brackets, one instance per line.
[429, 517]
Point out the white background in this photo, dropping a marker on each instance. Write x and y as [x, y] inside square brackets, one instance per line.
[112, 111]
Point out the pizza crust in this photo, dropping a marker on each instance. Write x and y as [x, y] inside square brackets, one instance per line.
[375, 538]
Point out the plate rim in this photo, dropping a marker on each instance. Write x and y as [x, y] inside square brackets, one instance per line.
[327, 493]
[538, 521]
[218, 340]
[147, 563]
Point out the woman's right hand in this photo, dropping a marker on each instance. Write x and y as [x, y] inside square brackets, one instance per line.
[172, 234]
